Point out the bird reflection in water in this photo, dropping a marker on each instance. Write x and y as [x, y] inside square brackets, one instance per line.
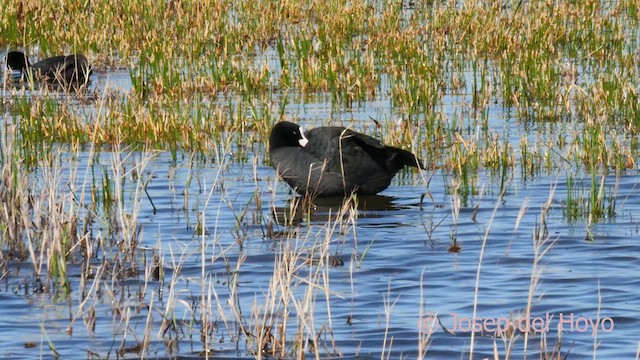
[300, 209]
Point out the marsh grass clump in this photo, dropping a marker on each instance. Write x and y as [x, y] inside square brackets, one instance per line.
[592, 202]
[47, 221]
[283, 324]
[48, 119]
[14, 199]
[40, 222]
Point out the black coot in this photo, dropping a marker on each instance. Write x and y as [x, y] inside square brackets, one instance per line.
[63, 69]
[329, 161]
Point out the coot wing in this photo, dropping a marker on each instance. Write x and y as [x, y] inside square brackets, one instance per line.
[308, 174]
[344, 148]
[389, 157]
[357, 160]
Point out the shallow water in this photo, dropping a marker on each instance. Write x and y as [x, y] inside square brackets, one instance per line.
[389, 267]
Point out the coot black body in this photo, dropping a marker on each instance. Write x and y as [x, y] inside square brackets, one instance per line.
[330, 161]
[63, 69]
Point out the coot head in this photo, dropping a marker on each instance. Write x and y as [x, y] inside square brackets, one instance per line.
[17, 60]
[287, 134]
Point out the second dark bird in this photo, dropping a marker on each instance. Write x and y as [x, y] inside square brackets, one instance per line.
[63, 69]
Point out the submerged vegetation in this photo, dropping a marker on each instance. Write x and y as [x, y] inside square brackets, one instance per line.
[209, 79]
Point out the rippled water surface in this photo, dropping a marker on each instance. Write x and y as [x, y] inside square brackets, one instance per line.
[367, 282]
